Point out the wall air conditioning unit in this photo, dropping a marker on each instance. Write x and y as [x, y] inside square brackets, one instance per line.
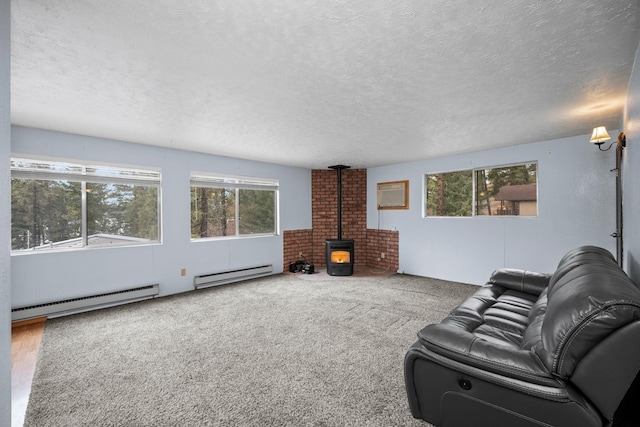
[393, 195]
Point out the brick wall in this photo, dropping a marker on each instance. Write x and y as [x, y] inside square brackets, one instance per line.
[296, 242]
[324, 201]
[383, 242]
[369, 243]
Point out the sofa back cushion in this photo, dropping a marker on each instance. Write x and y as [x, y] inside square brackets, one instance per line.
[588, 298]
[579, 256]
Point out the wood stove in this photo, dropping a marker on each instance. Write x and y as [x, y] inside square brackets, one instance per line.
[339, 252]
[339, 257]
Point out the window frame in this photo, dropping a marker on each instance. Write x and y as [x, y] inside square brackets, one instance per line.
[474, 173]
[87, 172]
[235, 182]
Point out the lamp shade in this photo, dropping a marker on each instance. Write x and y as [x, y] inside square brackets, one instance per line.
[599, 135]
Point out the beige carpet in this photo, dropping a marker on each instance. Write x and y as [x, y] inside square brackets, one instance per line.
[275, 351]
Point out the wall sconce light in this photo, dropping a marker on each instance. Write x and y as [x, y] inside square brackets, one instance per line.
[600, 136]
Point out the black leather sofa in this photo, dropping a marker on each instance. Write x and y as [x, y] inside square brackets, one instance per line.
[531, 349]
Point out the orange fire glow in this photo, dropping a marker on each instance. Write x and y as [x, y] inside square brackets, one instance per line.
[340, 257]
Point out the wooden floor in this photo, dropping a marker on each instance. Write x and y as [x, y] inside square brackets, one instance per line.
[25, 342]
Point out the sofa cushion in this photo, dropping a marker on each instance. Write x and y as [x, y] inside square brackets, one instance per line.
[520, 280]
[486, 330]
[588, 298]
[533, 334]
[582, 255]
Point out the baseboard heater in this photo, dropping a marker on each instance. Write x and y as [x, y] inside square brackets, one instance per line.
[214, 279]
[79, 305]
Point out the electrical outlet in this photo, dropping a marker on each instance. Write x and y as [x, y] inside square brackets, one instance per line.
[382, 255]
[183, 271]
[300, 255]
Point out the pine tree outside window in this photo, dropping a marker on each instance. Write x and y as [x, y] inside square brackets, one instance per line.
[449, 194]
[225, 206]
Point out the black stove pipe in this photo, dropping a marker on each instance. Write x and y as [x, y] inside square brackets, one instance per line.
[339, 168]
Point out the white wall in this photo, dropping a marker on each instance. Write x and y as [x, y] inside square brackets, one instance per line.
[5, 217]
[631, 175]
[52, 276]
[576, 206]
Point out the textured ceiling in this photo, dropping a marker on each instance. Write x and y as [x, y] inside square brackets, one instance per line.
[314, 83]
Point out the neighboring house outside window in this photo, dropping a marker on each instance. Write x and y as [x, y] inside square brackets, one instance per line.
[507, 190]
[518, 200]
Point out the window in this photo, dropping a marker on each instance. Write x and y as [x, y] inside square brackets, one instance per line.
[449, 194]
[509, 190]
[232, 206]
[57, 205]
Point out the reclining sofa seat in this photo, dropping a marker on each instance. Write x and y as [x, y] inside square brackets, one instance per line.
[530, 349]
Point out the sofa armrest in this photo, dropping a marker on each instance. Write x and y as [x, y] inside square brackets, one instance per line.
[520, 280]
[462, 346]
